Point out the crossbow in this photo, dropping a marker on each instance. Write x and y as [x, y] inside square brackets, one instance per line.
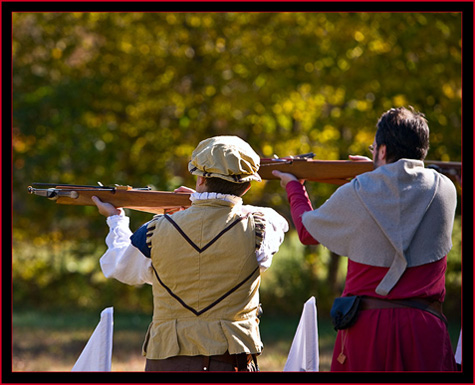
[338, 171]
[140, 199]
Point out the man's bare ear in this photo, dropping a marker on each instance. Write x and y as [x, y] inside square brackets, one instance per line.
[201, 181]
[382, 152]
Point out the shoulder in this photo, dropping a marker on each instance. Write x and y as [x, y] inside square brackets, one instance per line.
[442, 186]
[266, 215]
[446, 191]
[446, 183]
[139, 238]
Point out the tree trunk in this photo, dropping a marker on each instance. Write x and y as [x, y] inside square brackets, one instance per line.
[333, 283]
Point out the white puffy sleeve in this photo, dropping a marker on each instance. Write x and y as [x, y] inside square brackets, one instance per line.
[123, 260]
[271, 228]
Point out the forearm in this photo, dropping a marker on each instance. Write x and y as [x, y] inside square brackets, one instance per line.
[122, 260]
[299, 204]
[128, 266]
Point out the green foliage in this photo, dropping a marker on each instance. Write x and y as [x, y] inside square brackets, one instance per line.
[297, 273]
[290, 281]
[50, 271]
[125, 97]
[453, 276]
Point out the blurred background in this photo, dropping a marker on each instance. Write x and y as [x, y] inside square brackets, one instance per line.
[125, 97]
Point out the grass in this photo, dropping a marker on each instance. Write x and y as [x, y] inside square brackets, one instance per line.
[52, 341]
[277, 334]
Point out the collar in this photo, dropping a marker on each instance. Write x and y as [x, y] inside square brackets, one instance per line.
[235, 200]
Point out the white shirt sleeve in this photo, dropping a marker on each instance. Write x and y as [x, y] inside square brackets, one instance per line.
[122, 260]
[273, 236]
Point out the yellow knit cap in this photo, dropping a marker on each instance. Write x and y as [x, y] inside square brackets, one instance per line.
[226, 157]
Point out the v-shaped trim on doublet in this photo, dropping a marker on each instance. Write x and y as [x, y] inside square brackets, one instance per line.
[193, 244]
[200, 250]
[199, 312]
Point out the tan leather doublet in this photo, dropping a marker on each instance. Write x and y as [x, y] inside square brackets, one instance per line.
[206, 282]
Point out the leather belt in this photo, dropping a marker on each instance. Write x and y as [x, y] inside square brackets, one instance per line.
[433, 307]
[239, 361]
[226, 357]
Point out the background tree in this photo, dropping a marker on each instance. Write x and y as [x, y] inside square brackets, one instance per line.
[125, 97]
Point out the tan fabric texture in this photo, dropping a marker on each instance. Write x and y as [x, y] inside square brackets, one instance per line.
[199, 279]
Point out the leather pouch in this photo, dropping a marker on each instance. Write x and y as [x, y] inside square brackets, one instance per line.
[344, 311]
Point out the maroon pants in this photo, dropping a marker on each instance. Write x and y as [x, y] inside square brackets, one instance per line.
[223, 363]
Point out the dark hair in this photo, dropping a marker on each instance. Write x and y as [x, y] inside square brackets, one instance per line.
[404, 132]
[222, 186]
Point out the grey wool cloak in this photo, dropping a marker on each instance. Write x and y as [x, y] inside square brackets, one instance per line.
[397, 216]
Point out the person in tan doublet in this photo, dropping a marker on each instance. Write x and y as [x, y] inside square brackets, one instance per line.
[204, 264]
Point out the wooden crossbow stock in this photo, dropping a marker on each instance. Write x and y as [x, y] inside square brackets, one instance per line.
[158, 202]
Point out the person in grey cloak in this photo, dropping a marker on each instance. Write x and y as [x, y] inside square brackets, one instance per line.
[394, 224]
